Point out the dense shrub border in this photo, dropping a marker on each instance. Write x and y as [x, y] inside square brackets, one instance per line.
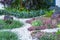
[6, 35]
[14, 24]
[23, 14]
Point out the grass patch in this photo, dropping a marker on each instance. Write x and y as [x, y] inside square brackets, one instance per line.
[5, 35]
[14, 24]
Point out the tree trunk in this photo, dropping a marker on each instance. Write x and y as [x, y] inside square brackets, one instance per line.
[20, 3]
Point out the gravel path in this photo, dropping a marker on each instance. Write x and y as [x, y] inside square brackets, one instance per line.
[22, 32]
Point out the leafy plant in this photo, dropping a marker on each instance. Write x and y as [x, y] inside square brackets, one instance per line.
[58, 32]
[13, 3]
[6, 35]
[58, 25]
[49, 13]
[36, 23]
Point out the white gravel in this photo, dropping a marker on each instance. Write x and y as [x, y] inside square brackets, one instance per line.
[51, 30]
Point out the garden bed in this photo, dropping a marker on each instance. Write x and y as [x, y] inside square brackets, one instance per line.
[6, 35]
[45, 35]
[41, 23]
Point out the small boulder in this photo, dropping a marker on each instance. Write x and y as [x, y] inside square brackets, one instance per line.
[29, 21]
[8, 19]
[55, 15]
[37, 34]
[31, 28]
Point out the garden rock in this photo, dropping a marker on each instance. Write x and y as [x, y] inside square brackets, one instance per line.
[29, 21]
[56, 14]
[37, 34]
[31, 28]
[8, 19]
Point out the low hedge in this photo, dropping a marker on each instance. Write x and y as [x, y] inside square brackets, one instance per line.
[23, 14]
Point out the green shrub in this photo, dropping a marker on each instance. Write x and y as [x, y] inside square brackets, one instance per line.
[23, 14]
[5, 35]
[58, 32]
[49, 13]
[36, 23]
[8, 21]
[58, 25]
[27, 13]
[14, 24]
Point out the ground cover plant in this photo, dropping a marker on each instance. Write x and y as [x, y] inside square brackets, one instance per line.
[37, 23]
[8, 25]
[51, 36]
[6, 35]
[48, 37]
